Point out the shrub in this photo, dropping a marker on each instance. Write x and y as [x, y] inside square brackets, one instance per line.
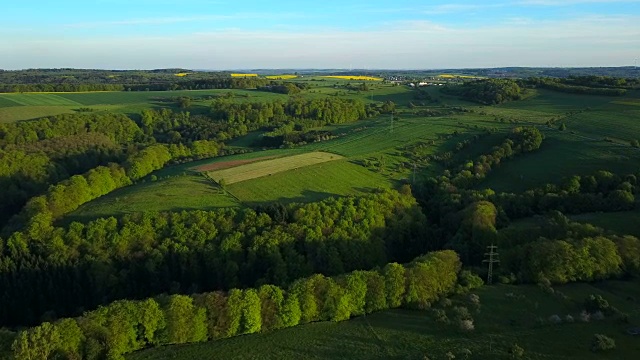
[508, 279]
[474, 299]
[569, 319]
[516, 351]
[602, 343]
[440, 316]
[465, 353]
[445, 302]
[598, 316]
[585, 316]
[595, 303]
[469, 280]
[555, 319]
[462, 313]
[466, 325]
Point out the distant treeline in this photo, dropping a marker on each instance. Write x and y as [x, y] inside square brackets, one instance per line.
[588, 85]
[173, 84]
[126, 326]
[61, 271]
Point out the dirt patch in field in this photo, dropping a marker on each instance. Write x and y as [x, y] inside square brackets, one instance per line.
[229, 164]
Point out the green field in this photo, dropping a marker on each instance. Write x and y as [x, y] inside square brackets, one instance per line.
[623, 223]
[580, 149]
[616, 121]
[271, 167]
[401, 334]
[561, 154]
[310, 183]
[178, 192]
[16, 107]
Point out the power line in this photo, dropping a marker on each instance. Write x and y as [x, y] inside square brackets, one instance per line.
[493, 259]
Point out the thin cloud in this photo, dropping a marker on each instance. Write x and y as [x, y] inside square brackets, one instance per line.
[418, 44]
[570, 2]
[180, 19]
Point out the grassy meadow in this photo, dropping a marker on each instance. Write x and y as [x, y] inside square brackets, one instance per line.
[310, 183]
[270, 167]
[622, 223]
[174, 193]
[507, 315]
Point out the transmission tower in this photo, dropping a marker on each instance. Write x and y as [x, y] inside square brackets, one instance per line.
[492, 259]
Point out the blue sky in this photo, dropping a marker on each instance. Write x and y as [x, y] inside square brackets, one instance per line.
[409, 34]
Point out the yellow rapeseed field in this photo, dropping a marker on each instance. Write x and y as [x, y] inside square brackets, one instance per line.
[182, 74]
[354, 77]
[451, 76]
[281, 77]
[244, 75]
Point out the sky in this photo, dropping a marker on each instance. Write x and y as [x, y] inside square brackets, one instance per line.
[343, 34]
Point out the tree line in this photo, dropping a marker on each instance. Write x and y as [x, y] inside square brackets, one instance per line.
[71, 80]
[125, 326]
[579, 85]
[61, 270]
[558, 251]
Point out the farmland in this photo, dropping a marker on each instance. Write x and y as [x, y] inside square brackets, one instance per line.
[354, 77]
[16, 107]
[374, 142]
[310, 183]
[281, 77]
[269, 167]
[402, 334]
[339, 179]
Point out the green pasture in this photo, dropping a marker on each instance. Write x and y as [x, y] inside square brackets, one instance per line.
[619, 122]
[562, 154]
[174, 193]
[270, 167]
[507, 315]
[310, 183]
[622, 223]
[16, 107]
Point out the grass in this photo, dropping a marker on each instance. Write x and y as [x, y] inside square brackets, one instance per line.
[561, 154]
[623, 223]
[617, 121]
[403, 334]
[270, 167]
[176, 192]
[310, 183]
[47, 99]
[17, 107]
[18, 113]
